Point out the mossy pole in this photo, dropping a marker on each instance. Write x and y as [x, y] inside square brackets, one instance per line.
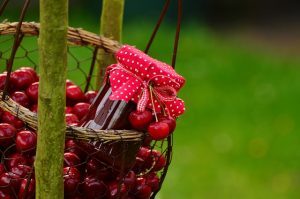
[52, 91]
[111, 23]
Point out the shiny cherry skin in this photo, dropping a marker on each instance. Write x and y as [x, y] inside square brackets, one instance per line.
[170, 121]
[114, 191]
[71, 118]
[74, 95]
[29, 191]
[160, 160]
[14, 160]
[33, 92]
[94, 188]
[2, 168]
[96, 168]
[153, 181]
[32, 71]
[71, 159]
[9, 182]
[71, 180]
[7, 117]
[21, 79]
[81, 109]
[140, 120]
[68, 109]
[4, 195]
[26, 141]
[69, 83]
[142, 190]
[158, 130]
[21, 98]
[90, 96]
[34, 108]
[7, 133]
[21, 170]
[2, 80]
[72, 146]
[130, 180]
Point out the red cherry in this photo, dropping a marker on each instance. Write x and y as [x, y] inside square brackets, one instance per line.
[4, 195]
[81, 109]
[34, 108]
[21, 98]
[94, 188]
[71, 180]
[139, 165]
[116, 190]
[2, 80]
[71, 159]
[74, 94]
[7, 133]
[160, 160]
[130, 180]
[95, 168]
[140, 120]
[142, 190]
[71, 118]
[153, 181]
[144, 153]
[68, 109]
[2, 168]
[147, 141]
[15, 160]
[1, 112]
[170, 121]
[90, 96]
[25, 190]
[26, 141]
[72, 146]
[158, 130]
[21, 170]
[10, 119]
[9, 182]
[21, 79]
[69, 83]
[32, 71]
[33, 92]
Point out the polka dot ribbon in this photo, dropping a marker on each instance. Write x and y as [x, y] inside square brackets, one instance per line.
[146, 81]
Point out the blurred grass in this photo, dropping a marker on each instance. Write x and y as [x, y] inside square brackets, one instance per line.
[240, 135]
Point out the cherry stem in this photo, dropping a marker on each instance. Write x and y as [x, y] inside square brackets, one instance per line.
[152, 101]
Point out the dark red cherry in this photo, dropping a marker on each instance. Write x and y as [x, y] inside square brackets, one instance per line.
[21, 170]
[116, 190]
[21, 98]
[94, 188]
[7, 133]
[9, 182]
[26, 141]
[33, 92]
[69, 83]
[170, 121]
[4, 195]
[142, 190]
[74, 94]
[81, 109]
[90, 96]
[71, 118]
[21, 79]
[32, 71]
[96, 168]
[15, 160]
[27, 189]
[34, 108]
[2, 80]
[2, 168]
[140, 120]
[72, 146]
[158, 130]
[144, 152]
[68, 109]
[71, 159]
[10, 119]
[160, 160]
[153, 181]
[71, 180]
[130, 180]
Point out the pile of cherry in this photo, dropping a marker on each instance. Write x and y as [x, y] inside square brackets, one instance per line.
[84, 176]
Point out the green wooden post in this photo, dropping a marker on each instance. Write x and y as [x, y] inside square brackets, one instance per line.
[52, 99]
[111, 27]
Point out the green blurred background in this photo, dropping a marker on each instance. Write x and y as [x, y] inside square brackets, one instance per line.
[239, 137]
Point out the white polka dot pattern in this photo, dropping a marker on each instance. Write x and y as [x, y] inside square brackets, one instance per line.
[135, 71]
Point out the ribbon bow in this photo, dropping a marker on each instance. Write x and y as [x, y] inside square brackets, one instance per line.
[146, 81]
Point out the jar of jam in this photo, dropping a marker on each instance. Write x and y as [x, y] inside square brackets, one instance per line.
[110, 114]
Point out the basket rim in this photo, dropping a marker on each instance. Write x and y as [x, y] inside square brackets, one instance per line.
[75, 36]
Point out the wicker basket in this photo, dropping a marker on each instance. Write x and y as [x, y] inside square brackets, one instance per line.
[79, 37]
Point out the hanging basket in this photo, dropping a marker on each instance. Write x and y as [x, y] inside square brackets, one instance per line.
[151, 158]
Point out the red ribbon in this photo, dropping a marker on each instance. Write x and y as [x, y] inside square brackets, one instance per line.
[136, 75]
